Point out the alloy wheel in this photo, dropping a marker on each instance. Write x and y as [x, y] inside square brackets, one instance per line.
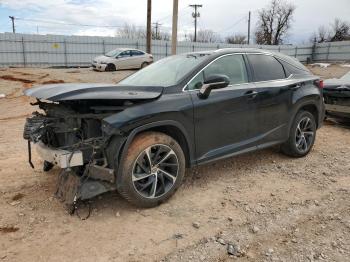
[155, 171]
[304, 134]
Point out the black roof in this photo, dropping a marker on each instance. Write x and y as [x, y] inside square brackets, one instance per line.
[286, 58]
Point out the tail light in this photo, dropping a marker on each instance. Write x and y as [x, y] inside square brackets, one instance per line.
[319, 83]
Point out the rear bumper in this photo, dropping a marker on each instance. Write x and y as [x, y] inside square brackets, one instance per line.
[59, 157]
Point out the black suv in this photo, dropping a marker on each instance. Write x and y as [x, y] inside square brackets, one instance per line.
[139, 136]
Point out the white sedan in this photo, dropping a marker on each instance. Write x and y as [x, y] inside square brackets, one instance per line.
[122, 58]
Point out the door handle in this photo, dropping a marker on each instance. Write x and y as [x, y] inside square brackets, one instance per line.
[251, 94]
[295, 86]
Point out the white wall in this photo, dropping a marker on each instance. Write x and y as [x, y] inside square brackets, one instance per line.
[58, 50]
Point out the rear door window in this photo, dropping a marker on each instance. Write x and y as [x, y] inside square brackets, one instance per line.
[293, 70]
[266, 67]
[137, 53]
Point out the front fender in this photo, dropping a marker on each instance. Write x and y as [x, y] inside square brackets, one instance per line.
[174, 110]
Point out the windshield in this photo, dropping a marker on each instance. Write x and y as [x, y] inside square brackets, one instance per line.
[113, 53]
[165, 72]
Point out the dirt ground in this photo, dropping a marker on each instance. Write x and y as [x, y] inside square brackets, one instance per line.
[261, 206]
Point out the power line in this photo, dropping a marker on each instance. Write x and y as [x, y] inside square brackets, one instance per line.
[156, 26]
[248, 28]
[234, 24]
[170, 16]
[70, 24]
[174, 27]
[149, 29]
[13, 23]
[195, 15]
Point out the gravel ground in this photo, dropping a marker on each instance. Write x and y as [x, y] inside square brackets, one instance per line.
[261, 206]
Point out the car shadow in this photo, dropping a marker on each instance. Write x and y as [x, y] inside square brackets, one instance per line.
[199, 176]
[341, 122]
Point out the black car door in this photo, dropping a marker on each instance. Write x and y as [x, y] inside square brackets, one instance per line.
[223, 121]
[274, 103]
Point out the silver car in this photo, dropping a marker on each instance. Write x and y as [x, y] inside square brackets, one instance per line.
[122, 58]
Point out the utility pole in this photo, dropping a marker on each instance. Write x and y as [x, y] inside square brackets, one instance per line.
[149, 29]
[195, 14]
[13, 24]
[248, 27]
[174, 27]
[156, 26]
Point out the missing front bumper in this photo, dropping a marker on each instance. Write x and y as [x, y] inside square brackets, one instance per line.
[59, 157]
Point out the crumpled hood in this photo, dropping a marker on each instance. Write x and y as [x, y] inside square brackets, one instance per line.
[93, 91]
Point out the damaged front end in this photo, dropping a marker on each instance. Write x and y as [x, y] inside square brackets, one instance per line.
[69, 135]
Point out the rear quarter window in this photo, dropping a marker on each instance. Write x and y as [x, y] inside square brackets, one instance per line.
[266, 67]
[293, 70]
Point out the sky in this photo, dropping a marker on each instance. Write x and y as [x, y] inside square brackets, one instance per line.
[104, 17]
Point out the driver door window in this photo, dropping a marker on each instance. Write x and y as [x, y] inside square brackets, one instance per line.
[196, 82]
[233, 66]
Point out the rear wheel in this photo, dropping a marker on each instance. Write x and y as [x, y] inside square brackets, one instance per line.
[152, 170]
[144, 64]
[110, 67]
[301, 136]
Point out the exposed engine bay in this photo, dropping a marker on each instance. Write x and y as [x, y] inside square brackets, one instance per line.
[69, 134]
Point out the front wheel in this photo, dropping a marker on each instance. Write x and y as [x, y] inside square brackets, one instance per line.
[152, 171]
[301, 136]
[110, 68]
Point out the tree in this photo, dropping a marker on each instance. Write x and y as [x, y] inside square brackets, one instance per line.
[160, 35]
[236, 39]
[206, 36]
[341, 31]
[320, 36]
[274, 22]
[131, 31]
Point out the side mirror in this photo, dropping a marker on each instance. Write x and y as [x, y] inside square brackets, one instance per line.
[213, 82]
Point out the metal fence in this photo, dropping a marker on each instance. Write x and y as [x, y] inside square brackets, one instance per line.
[28, 50]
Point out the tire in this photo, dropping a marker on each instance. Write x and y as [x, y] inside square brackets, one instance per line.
[144, 64]
[146, 186]
[110, 68]
[302, 135]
